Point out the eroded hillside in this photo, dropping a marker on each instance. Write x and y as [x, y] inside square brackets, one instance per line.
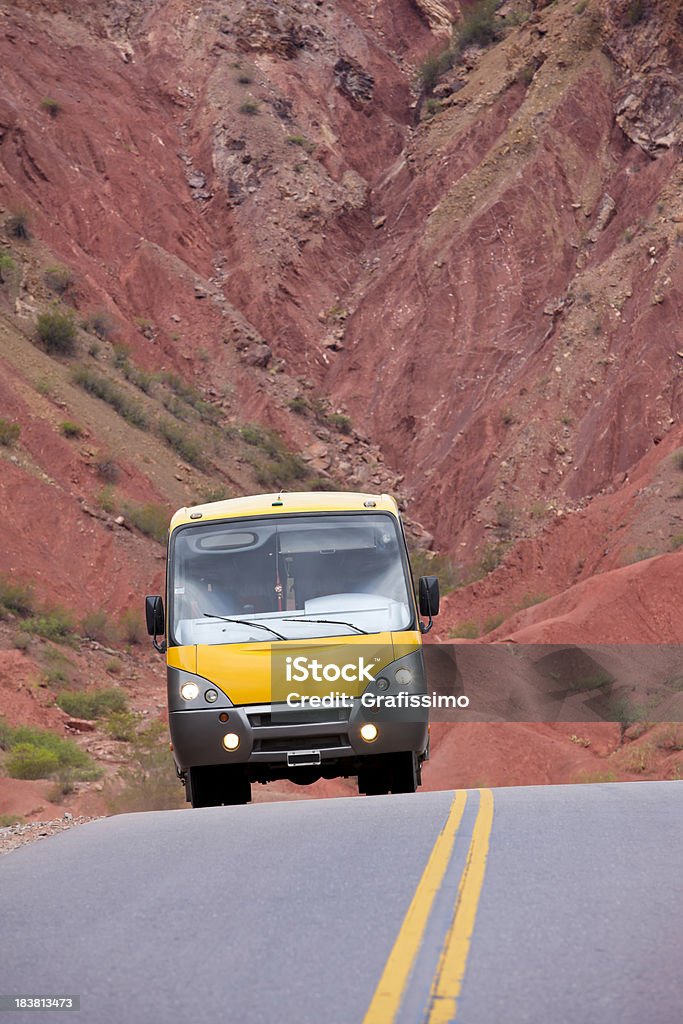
[291, 258]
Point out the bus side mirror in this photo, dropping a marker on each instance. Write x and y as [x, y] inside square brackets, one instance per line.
[429, 596]
[154, 613]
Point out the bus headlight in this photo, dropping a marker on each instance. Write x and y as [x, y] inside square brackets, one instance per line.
[188, 691]
[211, 696]
[404, 676]
[231, 741]
[369, 732]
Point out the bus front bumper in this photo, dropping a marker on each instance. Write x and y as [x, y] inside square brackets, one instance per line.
[275, 735]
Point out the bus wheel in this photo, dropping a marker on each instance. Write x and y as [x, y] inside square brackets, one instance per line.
[214, 785]
[405, 773]
[374, 777]
[235, 787]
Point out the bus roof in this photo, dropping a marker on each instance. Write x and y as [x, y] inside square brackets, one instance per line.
[285, 502]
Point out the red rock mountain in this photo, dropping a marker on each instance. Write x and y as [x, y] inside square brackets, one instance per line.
[290, 263]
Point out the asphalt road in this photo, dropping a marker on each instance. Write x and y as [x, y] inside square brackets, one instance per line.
[542, 904]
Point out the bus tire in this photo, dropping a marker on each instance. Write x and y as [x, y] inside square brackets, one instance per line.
[405, 773]
[390, 773]
[373, 777]
[214, 786]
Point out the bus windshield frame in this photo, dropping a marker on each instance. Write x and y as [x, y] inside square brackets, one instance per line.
[293, 576]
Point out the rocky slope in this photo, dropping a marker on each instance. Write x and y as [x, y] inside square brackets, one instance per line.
[292, 265]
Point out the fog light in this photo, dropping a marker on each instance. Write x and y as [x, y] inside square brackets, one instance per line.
[369, 732]
[211, 696]
[404, 676]
[382, 684]
[231, 741]
[188, 691]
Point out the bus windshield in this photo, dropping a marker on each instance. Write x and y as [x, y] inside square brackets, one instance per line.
[292, 578]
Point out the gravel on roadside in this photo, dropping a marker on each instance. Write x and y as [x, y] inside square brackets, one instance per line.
[14, 836]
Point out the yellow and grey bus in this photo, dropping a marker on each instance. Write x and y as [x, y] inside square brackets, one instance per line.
[293, 645]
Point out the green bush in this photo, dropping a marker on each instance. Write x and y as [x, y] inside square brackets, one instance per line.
[121, 353]
[100, 323]
[300, 405]
[102, 388]
[6, 734]
[132, 627]
[490, 558]
[191, 396]
[97, 625]
[122, 725]
[9, 433]
[69, 429]
[176, 408]
[16, 597]
[181, 442]
[17, 225]
[50, 106]
[505, 517]
[38, 754]
[58, 669]
[28, 762]
[281, 466]
[339, 422]
[58, 279]
[217, 493]
[150, 519]
[477, 27]
[276, 472]
[146, 328]
[106, 469]
[255, 435]
[107, 499]
[249, 107]
[21, 642]
[493, 622]
[150, 782]
[139, 378]
[7, 267]
[529, 600]
[57, 332]
[468, 630]
[301, 140]
[65, 784]
[56, 624]
[434, 66]
[323, 483]
[92, 704]
[6, 820]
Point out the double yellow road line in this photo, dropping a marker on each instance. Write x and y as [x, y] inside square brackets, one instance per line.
[450, 970]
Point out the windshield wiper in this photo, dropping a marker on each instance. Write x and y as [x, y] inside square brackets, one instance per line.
[331, 622]
[247, 622]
